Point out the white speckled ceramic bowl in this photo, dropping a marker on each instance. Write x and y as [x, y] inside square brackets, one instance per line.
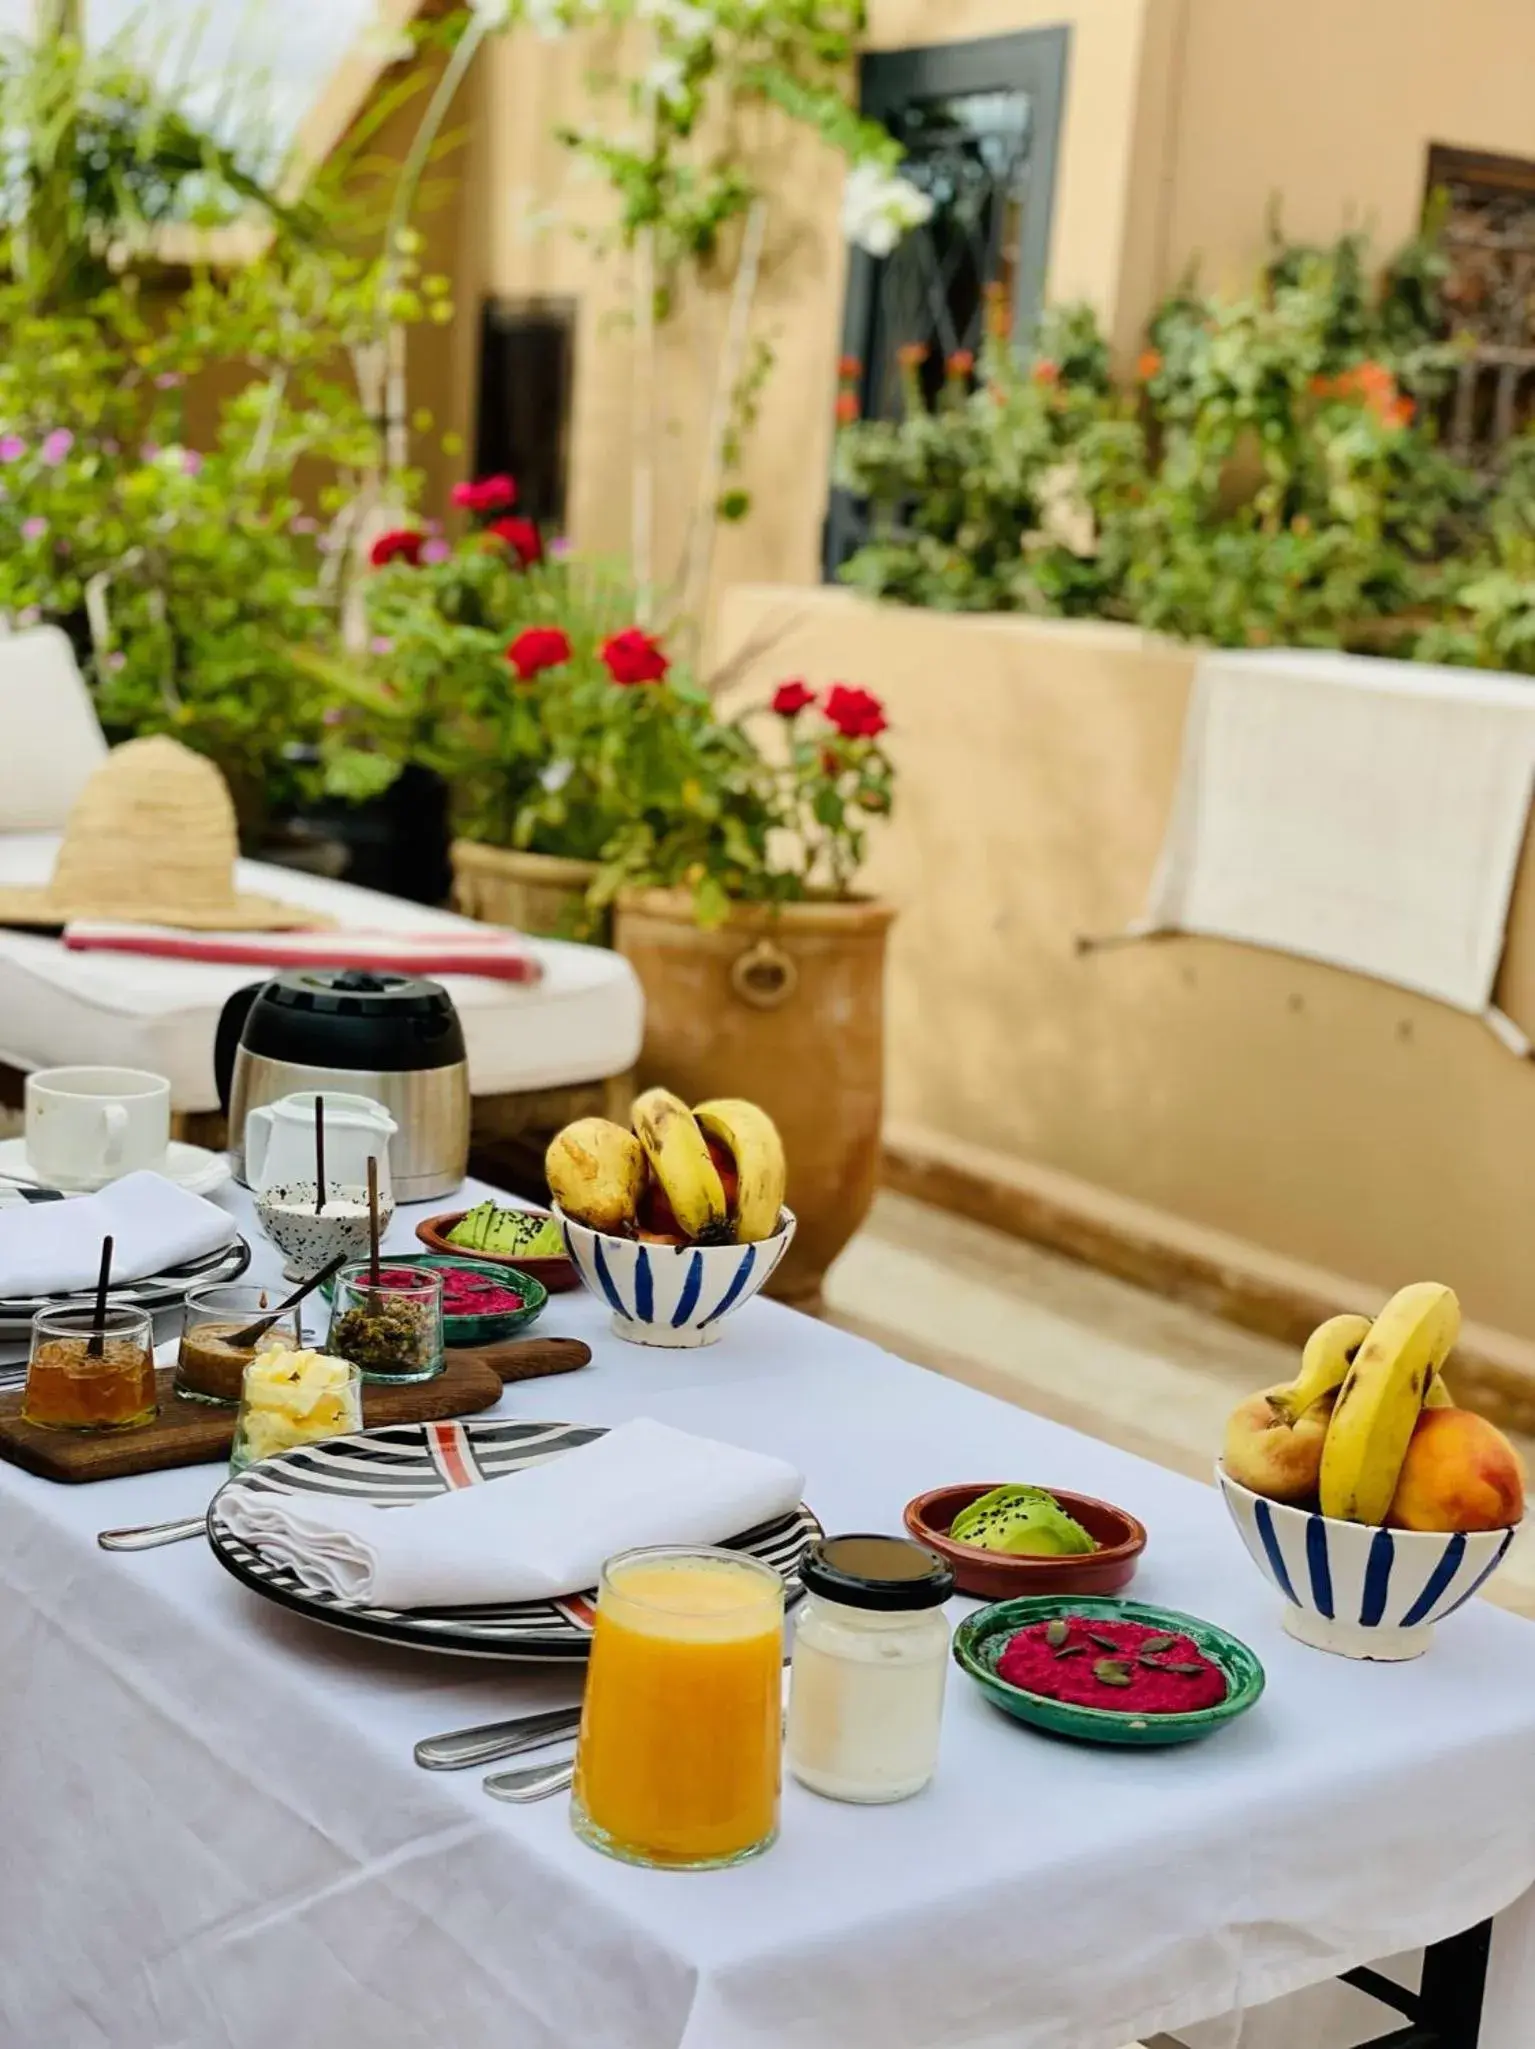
[307, 1242]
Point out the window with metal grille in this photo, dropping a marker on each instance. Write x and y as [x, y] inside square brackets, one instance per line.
[1488, 208]
[980, 123]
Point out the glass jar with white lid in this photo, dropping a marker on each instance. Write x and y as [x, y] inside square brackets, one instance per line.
[871, 1655]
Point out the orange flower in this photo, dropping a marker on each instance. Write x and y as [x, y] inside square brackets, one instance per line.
[1399, 413]
[847, 408]
[1046, 372]
[1149, 364]
[1375, 380]
[911, 355]
[849, 368]
[961, 363]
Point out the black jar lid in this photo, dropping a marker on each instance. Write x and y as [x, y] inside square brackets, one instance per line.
[889, 1575]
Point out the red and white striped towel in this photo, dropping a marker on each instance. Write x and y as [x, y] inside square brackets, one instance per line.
[499, 956]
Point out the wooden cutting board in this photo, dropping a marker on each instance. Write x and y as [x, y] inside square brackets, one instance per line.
[195, 1433]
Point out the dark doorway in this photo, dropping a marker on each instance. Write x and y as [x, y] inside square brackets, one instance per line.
[527, 367]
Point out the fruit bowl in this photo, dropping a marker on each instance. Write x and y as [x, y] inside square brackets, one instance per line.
[1356, 1590]
[555, 1273]
[672, 1295]
[994, 1576]
[981, 1639]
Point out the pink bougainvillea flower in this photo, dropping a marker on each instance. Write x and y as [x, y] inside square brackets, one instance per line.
[790, 699]
[167, 380]
[485, 494]
[55, 446]
[435, 550]
[381, 644]
[191, 462]
[633, 657]
[856, 714]
[12, 447]
[116, 660]
[33, 529]
[538, 648]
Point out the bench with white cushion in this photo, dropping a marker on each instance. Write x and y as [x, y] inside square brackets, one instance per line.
[579, 1025]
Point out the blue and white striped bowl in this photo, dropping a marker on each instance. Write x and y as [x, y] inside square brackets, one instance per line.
[672, 1294]
[1357, 1590]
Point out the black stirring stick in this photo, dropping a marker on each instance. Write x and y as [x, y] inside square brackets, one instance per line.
[319, 1155]
[253, 1333]
[96, 1349]
[372, 1221]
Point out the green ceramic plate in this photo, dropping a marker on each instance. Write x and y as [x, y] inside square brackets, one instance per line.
[981, 1639]
[476, 1330]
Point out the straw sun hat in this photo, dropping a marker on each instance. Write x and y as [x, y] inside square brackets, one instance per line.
[151, 840]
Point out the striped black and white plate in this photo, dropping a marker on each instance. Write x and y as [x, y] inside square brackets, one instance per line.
[406, 1462]
[155, 1291]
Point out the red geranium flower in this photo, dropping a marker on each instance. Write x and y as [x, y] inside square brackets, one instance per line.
[1148, 364]
[485, 494]
[1046, 372]
[521, 536]
[400, 544]
[847, 408]
[633, 657]
[856, 714]
[538, 648]
[961, 363]
[849, 368]
[790, 699]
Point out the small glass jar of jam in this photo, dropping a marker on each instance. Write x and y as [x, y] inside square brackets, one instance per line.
[85, 1375]
[208, 1367]
[391, 1331]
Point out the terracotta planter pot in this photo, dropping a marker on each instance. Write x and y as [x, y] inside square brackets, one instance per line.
[539, 893]
[786, 1007]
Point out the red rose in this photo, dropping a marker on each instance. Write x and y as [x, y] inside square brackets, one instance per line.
[633, 657]
[790, 699]
[485, 494]
[538, 648]
[521, 536]
[400, 544]
[856, 714]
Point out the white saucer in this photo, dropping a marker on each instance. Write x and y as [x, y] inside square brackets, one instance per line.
[191, 1167]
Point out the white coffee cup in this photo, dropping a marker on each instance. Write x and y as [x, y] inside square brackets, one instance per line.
[87, 1125]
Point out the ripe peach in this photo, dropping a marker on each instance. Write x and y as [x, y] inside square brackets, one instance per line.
[1460, 1473]
[1276, 1459]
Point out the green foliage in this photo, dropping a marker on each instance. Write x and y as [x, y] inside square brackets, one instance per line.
[1272, 476]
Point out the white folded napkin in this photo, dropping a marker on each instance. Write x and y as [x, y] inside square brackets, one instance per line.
[531, 1536]
[47, 1247]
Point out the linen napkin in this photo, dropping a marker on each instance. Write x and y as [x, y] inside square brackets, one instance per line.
[530, 1536]
[47, 1247]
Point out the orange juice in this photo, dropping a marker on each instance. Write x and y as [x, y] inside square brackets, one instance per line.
[678, 1762]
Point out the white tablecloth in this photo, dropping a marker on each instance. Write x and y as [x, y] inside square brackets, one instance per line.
[215, 1837]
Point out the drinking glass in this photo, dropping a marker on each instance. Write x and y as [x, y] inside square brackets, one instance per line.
[677, 1765]
[208, 1369]
[82, 1375]
[392, 1331]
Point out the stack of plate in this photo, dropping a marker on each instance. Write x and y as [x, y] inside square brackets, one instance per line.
[154, 1291]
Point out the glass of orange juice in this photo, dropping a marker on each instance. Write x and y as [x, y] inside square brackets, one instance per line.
[681, 1729]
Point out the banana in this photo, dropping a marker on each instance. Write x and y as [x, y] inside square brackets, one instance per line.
[596, 1173]
[1381, 1399]
[1324, 1364]
[754, 1145]
[1436, 1395]
[679, 1159]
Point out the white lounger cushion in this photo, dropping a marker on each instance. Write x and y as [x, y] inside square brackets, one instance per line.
[581, 1023]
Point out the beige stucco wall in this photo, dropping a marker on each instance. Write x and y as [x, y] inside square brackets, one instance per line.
[1325, 1117]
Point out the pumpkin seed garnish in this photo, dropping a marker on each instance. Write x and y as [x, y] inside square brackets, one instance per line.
[1072, 1650]
[1157, 1643]
[1189, 1671]
[1112, 1672]
[1104, 1643]
[1056, 1633]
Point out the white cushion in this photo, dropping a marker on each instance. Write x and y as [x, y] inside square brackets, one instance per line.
[50, 742]
[581, 1023]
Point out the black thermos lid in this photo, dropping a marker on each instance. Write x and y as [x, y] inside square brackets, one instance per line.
[355, 1018]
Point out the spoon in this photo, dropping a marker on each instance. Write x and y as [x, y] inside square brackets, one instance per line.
[459, 1748]
[253, 1333]
[533, 1782]
[149, 1535]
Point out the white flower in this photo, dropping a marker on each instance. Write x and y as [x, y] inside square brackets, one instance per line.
[690, 24]
[547, 16]
[556, 776]
[494, 13]
[389, 45]
[666, 79]
[879, 206]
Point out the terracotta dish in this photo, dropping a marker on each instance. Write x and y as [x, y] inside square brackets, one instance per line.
[994, 1576]
[557, 1274]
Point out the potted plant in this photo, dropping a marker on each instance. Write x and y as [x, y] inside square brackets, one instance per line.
[762, 965]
